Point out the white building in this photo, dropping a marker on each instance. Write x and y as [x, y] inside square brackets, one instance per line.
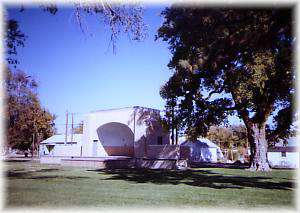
[56, 145]
[284, 156]
[203, 150]
[123, 132]
[114, 132]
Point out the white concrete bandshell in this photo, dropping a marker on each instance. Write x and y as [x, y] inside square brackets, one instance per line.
[116, 139]
[143, 123]
[116, 132]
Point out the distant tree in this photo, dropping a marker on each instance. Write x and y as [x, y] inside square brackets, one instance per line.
[240, 133]
[229, 138]
[233, 61]
[222, 136]
[79, 128]
[27, 123]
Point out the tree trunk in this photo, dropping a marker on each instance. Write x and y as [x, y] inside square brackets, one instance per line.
[32, 145]
[258, 146]
[172, 135]
[176, 135]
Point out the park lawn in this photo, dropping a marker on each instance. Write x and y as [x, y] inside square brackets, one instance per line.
[30, 184]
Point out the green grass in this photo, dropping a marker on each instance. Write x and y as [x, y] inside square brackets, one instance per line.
[31, 184]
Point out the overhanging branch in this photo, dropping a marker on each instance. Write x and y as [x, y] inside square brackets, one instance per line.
[217, 91]
[230, 108]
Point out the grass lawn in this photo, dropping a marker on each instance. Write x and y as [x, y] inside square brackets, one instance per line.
[30, 184]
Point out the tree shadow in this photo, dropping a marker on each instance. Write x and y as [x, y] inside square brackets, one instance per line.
[17, 160]
[219, 165]
[48, 170]
[31, 175]
[196, 178]
[57, 177]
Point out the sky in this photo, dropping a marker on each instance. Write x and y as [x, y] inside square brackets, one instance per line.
[78, 72]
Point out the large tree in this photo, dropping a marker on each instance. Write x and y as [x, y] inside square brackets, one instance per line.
[27, 122]
[233, 61]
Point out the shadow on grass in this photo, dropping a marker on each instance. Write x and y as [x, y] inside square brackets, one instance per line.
[218, 165]
[17, 160]
[197, 178]
[48, 170]
[31, 175]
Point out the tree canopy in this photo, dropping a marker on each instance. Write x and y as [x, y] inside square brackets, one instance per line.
[231, 61]
[26, 119]
[79, 128]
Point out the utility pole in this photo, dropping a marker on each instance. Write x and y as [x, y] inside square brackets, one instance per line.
[66, 134]
[34, 134]
[72, 128]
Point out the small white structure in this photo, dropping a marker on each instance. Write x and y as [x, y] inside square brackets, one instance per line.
[56, 145]
[203, 150]
[284, 155]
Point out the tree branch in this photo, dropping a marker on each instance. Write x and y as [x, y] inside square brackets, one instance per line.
[217, 91]
[231, 108]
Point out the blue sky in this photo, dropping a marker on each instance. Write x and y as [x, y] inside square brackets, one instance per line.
[79, 73]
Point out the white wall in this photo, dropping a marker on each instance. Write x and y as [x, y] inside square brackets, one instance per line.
[204, 154]
[67, 150]
[61, 150]
[95, 120]
[291, 160]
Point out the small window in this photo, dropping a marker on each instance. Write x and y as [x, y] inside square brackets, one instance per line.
[283, 154]
[95, 141]
[159, 140]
